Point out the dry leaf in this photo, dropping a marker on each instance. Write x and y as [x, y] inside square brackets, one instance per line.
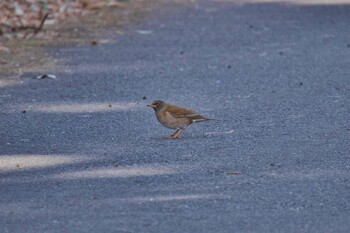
[233, 173]
[4, 49]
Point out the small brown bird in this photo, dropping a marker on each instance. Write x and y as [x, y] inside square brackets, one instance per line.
[174, 117]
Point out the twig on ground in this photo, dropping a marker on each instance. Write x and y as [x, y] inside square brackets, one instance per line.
[224, 132]
[41, 23]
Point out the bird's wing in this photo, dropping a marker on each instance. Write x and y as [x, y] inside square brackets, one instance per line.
[179, 112]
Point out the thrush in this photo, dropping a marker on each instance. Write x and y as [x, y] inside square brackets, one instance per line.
[175, 117]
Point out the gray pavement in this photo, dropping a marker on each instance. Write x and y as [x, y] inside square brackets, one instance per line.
[87, 155]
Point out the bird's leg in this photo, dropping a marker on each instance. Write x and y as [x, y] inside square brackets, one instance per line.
[173, 135]
[177, 134]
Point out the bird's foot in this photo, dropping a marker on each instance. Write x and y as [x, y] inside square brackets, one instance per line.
[176, 135]
[173, 136]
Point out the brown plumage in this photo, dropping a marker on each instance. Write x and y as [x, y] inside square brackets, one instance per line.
[175, 117]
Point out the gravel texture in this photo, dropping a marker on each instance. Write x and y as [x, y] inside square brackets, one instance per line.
[83, 153]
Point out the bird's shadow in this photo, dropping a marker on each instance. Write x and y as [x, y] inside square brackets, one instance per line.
[189, 137]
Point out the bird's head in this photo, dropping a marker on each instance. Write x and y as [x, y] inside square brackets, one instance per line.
[157, 105]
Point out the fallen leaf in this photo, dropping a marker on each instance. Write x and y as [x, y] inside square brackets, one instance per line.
[233, 173]
[4, 49]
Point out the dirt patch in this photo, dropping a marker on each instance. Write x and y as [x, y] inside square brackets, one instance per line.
[29, 55]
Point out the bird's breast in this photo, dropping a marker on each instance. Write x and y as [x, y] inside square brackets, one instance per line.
[166, 119]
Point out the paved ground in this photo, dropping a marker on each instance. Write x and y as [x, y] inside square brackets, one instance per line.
[87, 155]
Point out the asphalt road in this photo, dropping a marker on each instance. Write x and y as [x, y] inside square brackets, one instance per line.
[87, 155]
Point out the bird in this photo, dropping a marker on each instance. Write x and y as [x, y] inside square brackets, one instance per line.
[175, 117]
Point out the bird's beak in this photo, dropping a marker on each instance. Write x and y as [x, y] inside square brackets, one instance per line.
[151, 105]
